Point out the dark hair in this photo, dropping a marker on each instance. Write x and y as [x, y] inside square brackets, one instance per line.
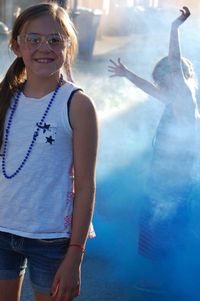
[16, 74]
[161, 71]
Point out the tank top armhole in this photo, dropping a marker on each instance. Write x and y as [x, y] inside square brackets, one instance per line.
[69, 104]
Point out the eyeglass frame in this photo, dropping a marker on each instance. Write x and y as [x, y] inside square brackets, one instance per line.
[44, 38]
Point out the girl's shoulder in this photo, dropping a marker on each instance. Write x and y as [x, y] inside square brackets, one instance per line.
[82, 101]
[82, 109]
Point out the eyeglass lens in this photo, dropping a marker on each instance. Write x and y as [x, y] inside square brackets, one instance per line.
[54, 41]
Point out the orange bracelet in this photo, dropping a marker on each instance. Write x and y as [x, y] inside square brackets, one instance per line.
[78, 246]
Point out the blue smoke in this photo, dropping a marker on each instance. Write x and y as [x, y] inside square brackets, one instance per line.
[128, 123]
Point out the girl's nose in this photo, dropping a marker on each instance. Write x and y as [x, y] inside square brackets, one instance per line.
[44, 45]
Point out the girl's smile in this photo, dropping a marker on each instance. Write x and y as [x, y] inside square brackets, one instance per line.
[44, 60]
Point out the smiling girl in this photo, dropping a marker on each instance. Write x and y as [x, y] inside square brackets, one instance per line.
[48, 140]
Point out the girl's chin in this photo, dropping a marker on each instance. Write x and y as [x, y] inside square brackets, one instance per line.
[44, 74]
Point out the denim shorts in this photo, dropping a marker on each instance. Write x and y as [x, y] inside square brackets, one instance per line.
[42, 256]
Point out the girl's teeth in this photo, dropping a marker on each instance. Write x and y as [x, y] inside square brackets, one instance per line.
[43, 60]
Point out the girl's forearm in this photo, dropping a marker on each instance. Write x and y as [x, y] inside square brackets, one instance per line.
[82, 217]
[135, 79]
[143, 84]
[82, 214]
[174, 45]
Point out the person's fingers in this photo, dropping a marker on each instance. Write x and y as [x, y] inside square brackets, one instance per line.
[76, 291]
[111, 68]
[186, 9]
[54, 287]
[111, 72]
[113, 62]
[64, 294]
[114, 72]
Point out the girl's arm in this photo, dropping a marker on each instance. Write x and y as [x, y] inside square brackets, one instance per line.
[118, 69]
[174, 54]
[84, 123]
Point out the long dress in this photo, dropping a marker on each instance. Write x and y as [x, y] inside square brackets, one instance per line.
[165, 217]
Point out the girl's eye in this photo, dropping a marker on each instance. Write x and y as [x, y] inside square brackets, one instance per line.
[54, 41]
[33, 39]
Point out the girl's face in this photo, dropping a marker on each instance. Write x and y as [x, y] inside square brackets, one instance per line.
[42, 44]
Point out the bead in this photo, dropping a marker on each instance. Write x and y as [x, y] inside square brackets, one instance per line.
[35, 134]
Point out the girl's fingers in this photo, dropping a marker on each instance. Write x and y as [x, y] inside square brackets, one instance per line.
[113, 62]
[113, 71]
[54, 287]
[116, 68]
[111, 68]
[76, 292]
[65, 294]
[64, 297]
[186, 9]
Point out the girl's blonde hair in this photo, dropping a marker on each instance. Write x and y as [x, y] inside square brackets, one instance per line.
[16, 74]
[161, 72]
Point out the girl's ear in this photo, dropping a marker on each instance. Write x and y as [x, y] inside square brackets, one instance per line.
[15, 48]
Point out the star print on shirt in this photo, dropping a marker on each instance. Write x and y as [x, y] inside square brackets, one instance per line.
[50, 140]
[45, 127]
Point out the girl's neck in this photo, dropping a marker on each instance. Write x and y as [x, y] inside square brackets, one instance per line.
[40, 87]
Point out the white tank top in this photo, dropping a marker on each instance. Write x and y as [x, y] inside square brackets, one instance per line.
[38, 201]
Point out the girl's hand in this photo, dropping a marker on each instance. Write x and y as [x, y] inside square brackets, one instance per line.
[117, 68]
[67, 281]
[185, 13]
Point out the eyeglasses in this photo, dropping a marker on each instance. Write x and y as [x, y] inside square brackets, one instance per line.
[54, 41]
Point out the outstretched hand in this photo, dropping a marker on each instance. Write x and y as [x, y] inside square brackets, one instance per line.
[117, 68]
[185, 13]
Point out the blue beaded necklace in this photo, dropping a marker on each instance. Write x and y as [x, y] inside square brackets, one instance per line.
[35, 134]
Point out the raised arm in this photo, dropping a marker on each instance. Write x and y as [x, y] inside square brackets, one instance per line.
[174, 54]
[118, 69]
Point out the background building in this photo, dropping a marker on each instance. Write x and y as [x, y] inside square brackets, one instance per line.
[9, 9]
